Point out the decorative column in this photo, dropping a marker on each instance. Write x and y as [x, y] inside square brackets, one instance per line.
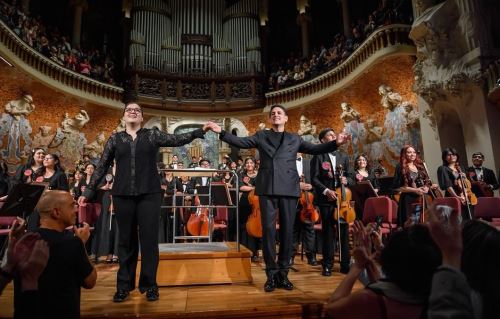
[346, 18]
[303, 21]
[79, 6]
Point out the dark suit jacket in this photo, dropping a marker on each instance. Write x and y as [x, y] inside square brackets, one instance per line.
[488, 176]
[320, 178]
[278, 171]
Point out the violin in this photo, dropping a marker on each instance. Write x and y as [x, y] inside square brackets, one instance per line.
[308, 214]
[464, 187]
[344, 197]
[254, 223]
[198, 222]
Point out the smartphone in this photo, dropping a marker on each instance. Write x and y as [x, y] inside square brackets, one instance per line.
[416, 213]
[445, 212]
[378, 222]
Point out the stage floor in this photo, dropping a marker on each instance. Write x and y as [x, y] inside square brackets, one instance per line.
[209, 301]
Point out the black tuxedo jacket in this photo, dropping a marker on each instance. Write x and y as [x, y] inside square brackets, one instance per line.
[321, 180]
[278, 171]
[488, 176]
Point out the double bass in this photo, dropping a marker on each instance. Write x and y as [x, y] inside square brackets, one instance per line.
[308, 214]
[198, 222]
[254, 223]
[345, 210]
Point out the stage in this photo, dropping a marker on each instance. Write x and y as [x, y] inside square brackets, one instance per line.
[239, 300]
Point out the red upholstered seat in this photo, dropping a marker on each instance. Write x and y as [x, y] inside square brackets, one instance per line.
[488, 208]
[5, 223]
[381, 206]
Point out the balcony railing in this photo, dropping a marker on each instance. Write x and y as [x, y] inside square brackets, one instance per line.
[492, 79]
[389, 39]
[19, 53]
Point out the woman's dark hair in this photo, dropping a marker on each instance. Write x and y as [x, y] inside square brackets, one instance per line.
[410, 258]
[86, 165]
[31, 158]
[246, 160]
[481, 262]
[446, 151]
[356, 166]
[403, 163]
[57, 166]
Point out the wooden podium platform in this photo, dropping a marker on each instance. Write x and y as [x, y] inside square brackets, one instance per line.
[184, 264]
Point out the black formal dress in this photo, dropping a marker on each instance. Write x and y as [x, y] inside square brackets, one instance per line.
[137, 197]
[407, 201]
[450, 178]
[360, 199]
[245, 209]
[323, 177]
[277, 186]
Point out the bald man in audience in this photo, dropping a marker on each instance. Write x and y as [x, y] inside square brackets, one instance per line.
[68, 268]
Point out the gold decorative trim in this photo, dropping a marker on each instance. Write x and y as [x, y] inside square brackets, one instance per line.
[137, 42]
[228, 50]
[253, 48]
[171, 47]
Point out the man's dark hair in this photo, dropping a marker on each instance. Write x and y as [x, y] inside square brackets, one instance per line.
[275, 106]
[324, 132]
[204, 160]
[478, 153]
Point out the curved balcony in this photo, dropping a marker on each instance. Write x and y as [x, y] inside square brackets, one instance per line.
[24, 57]
[180, 93]
[383, 42]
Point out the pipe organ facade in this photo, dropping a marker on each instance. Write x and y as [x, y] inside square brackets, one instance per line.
[198, 37]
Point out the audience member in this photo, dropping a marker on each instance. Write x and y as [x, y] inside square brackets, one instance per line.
[68, 267]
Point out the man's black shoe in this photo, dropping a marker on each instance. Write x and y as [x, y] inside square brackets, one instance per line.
[327, 271]
[311, 259]
[270, 285]
[284, 283]
[291, 262]
[152, 294]
[255, 259]
[120, 296]
[344, 270]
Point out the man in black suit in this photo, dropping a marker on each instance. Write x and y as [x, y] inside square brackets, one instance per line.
[277, 186]
[478, 173]
[325, 179]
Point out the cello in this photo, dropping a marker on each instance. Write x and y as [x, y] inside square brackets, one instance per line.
[254, 223]
[345, 210]
[308, 214]
[198, 222]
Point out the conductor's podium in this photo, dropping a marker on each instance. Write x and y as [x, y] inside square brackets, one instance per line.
[184, 264]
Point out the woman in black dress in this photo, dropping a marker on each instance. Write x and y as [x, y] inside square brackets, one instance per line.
[411, 179]
[247, 184]
[52, 173]
[449, 178]
[361, 173]
[28, 172]
[137, 197]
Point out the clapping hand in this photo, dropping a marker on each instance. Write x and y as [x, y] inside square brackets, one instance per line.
[82, 232]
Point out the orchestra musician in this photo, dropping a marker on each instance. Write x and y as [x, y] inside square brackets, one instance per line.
[362, 172]
[325, 180]
[246, 182]
[412, 180]
[483, 179]
[449, 178]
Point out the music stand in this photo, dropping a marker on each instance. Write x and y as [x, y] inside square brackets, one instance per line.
[360, 192]
[219, 194]
[22, 200]
[386, 185]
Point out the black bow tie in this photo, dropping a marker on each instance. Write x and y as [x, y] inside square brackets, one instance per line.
[299, 159]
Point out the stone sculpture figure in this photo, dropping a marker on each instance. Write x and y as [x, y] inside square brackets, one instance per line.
[14, 122]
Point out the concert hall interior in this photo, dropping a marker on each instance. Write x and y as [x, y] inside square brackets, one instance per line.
[379, 200]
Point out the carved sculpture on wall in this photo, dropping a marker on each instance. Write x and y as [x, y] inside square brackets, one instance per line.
[352, 125]
[373, 146]
[307, 130]
[69, 140]
[401, 124]
[14, 122]
[120, 127]
[262, 126]
[43, 138]
[95, 149]
[444, 34]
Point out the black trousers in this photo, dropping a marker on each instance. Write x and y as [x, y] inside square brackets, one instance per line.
[137, 218]
[287, 209]
[304, 231]
[329, 240]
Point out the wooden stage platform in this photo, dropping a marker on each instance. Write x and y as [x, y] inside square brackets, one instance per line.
[239, 300]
